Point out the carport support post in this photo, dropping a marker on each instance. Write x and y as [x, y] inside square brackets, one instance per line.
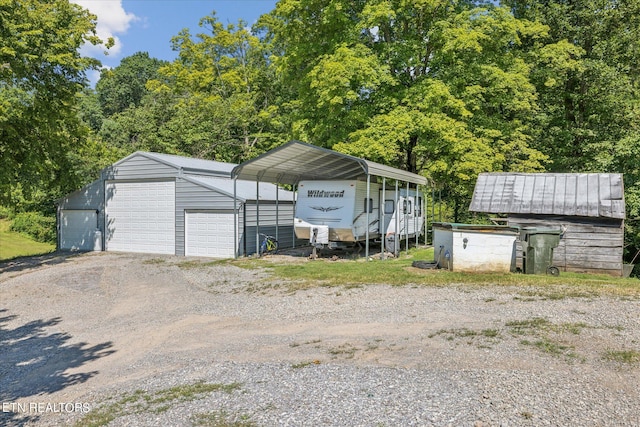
[235, 219]
[293, 229]
[258, 216]
[381, 215]
[415, 213]
[366, 206]
[396, 249]
[406, 219]
[277, 212]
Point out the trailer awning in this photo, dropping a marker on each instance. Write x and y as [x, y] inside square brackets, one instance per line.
[296, 161]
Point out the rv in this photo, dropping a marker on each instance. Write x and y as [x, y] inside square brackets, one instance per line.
[334, 213]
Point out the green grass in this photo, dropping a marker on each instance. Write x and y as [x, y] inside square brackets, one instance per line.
[221, 419]
[354, 273]
[152, 402]
[630, 357]
[13, 244]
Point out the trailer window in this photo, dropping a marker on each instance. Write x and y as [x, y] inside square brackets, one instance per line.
[406, 207]
[389, 207]
[370, 207]
[419, 207]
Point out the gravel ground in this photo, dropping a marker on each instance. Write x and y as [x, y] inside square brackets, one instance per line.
[134, 336]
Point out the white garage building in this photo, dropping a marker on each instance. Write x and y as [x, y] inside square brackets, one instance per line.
[165, 204]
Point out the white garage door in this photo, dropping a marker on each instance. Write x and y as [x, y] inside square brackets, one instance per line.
[141, 217]
[77, 229]
[209, 234]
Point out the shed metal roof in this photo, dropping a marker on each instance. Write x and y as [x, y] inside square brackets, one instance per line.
[187, 163]
[569, 194]
[296, 161]
[245, 190]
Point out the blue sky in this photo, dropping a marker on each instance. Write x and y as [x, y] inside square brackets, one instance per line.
[148, 25]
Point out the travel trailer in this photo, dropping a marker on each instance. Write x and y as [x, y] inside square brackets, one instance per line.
[334, 213]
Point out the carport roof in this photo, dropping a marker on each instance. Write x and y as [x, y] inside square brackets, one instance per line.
[296, 161]
[245, 190]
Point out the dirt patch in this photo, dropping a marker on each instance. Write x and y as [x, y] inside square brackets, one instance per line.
[78, 329]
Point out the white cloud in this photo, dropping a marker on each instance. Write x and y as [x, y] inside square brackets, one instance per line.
[112, 20]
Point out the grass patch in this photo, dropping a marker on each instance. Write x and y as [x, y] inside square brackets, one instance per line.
[154, 261]
[305, 364]
[630, 357]
[151, 402]
[347, 351]
[221, 419]
[544, 333]
[202, 264]
[399, 272]
[545, 345]
[14, 244]
[478, 338]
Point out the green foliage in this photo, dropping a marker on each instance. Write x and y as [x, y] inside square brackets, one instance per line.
[5, 212]
[124, 86]
[41, 72]
[217, 100]
[41, 228]
[14, 244]
[588, 84]
[434, 88]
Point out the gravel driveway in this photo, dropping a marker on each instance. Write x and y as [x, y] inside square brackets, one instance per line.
[157, 341]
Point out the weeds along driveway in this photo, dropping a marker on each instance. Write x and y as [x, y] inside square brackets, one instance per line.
[93, 325]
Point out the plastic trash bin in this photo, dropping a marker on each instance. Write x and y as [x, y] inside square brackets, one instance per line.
[537, 250]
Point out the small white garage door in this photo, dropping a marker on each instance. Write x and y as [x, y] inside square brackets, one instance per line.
[77, 229]
[140, 217]
[209, 234]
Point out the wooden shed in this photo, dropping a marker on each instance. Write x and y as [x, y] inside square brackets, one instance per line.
[588, 208]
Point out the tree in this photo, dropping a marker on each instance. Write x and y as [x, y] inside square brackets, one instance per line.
[588, 84]
[41, 74]
[439, 88]
[223, 91]
[124, 86]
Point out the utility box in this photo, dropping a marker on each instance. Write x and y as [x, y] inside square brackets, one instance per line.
[474, 247]
[537, 250]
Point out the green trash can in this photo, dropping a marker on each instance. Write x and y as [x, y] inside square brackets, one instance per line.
[537, 250]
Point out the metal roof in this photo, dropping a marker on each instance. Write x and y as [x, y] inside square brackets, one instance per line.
[296, 161]
[188, 163]
[245, 190]
[569, 194]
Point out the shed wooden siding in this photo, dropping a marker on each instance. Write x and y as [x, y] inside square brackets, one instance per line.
[190, 196]
[139, 167]
[589, 245]
[585, 195]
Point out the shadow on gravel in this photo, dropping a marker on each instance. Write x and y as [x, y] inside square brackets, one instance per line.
[34, 362]
[27, 262]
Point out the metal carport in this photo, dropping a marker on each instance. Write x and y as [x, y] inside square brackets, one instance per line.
[296, 161]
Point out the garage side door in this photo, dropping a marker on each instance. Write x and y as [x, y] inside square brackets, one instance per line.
[209, 234]
[77, 229]
[140, 217]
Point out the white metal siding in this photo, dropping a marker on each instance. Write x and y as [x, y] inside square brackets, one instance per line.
[209, 234]
[191, 196]
[360, 216]
[77, 229]
[139, 167]
[140, 217]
